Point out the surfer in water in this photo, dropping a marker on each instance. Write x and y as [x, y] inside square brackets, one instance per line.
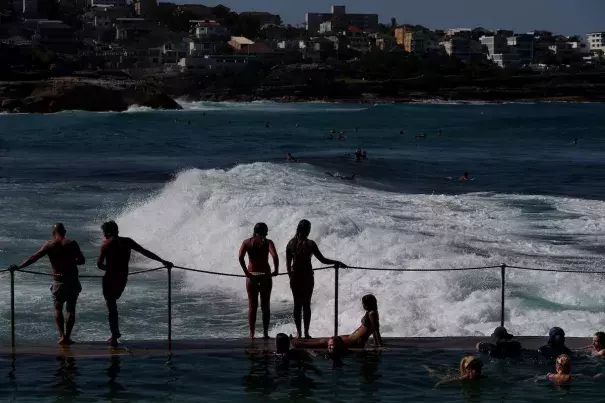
[370, 326]
[258, 273]
[343, 177]
[299, 252]
[464, 177]
[65, 256]
[114, 258]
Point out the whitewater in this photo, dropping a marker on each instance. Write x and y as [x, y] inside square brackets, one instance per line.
[194, 204]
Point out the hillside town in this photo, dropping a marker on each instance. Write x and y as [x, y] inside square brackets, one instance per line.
[47, 38]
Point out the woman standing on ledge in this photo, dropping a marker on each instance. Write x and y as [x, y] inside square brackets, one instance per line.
[299, 252]
[259, 275]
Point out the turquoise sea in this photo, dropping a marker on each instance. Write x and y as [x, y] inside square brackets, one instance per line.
[191, 184]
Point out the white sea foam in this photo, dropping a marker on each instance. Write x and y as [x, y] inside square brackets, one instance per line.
[201, 217]
[267, 106]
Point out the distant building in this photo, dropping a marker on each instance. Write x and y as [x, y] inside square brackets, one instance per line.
[524, 46]
[400, 32]
[128, 29]
[421, 42]
[105, 17]
[55, 35]
[29, 8]
[339, 15]
[114, 3]
[596, 42]
[214, 63]
[208, 28]
[458, 31]
[499, 51]
[241, 44]
[145, 8]
[463, 48]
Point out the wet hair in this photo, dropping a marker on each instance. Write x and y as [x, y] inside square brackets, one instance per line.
[600, 338]
[556, 335]
[564, 364]
[59, 229]
[303, 229]
[110, 228]
[466, 174]
[339, 345]
[282, 343]
[369, 302]
[470, 362]
[261, 229]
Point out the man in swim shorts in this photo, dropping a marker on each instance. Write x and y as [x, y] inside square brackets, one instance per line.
[65, 256]
[114, 258]
[258, 275]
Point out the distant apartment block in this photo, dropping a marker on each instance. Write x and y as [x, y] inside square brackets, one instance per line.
[596, 42]
[421, 42]
[463, 48]
[208, 28]
[340, 17]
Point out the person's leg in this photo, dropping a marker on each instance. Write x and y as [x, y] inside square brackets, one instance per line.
[252, 289]
[297, 308]
[70, 317]
[59, 320]
[265, 304]
[112, 316]
[310, 284]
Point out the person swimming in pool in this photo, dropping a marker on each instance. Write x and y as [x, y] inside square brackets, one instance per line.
[299, 252]
[470, 369]
[259, 275]
[502, 345]
[370, 327]
[555, 345]
[598, 344]
[562, 375]
[464, 177]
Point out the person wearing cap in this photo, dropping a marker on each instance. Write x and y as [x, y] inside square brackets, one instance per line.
[563, 371]
[64, 255]
[501, 346]
[114, 258]
[555, 345]
[258, 273]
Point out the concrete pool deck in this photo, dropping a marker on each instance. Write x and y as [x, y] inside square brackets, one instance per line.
[210, 346]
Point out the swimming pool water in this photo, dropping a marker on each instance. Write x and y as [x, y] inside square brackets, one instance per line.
[254, 375]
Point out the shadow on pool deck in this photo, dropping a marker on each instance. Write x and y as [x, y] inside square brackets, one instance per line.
[180, 347]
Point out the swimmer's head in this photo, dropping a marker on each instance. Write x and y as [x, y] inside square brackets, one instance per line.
[556, 336]
[110, 228]
[59, 229]
[466, 174]
[369, 302]
[282, 343]
[563, 365]
[304, 229]
[336, 345]
[598, 340]
[470, 367]
[261, 229]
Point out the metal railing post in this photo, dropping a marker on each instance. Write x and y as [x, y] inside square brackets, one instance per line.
[502, 288]
[336, 300]
[169, 309]
[12, 271]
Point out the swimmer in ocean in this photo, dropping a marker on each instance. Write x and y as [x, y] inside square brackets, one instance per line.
[364, 155]
[267, 125]
[421, 136]
[563, 371]
[291, 158]
[358, 154]
[401, 131]
[464, 177]
[370, 327]
[299, 252]
[438, 133]
[259, 275]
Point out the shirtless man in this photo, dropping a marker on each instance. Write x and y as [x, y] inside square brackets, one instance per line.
[258, 275]
[64, 255]
[299, 252]
[113, 259]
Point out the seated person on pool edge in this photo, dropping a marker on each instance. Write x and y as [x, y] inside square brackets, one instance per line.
[64, 255]
[258, 275]
[563, 371]
[502, 345]
[555, 345]
[370, 326]
[114, 258]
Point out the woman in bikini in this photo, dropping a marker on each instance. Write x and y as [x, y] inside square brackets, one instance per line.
[370, 326]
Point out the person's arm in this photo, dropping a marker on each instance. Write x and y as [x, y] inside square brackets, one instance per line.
[600, 353]
[375, 325]
[101, 259]
[322, 258]
[273, 253]
[150, 255]
[35, 257]
[242, 261]
[79, 256]
[289, 257]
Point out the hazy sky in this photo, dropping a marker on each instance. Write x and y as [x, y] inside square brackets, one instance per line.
[564, 16]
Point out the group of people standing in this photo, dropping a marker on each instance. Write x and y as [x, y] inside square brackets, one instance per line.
[299, 252]
[65, 256]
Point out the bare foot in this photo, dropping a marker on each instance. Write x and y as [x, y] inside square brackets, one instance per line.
[113, 342]
[251, 336]
[62, 341]
[308, 336]
[298, 336]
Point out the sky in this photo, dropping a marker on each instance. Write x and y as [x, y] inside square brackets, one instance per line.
[561, 16]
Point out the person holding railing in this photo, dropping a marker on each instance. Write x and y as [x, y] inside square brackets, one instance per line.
[370, 326]
[299, 252]
[259, 275]
[65, 256]
[114, 258]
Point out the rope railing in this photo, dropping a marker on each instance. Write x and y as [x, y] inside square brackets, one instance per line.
[336, 268]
